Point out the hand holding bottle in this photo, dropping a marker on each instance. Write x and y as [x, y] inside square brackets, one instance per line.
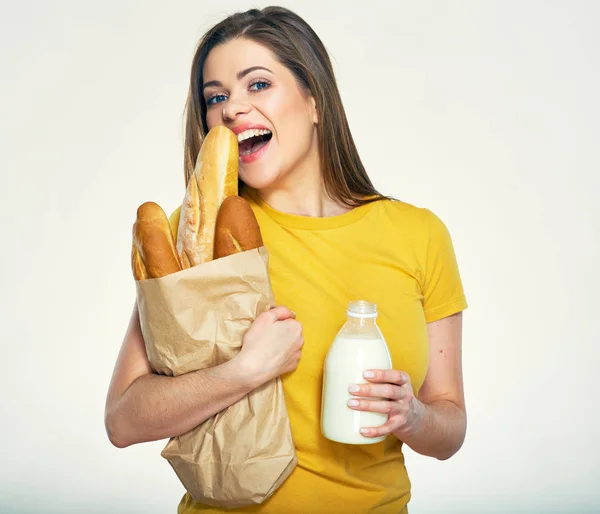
[359, 344]
[388, 392]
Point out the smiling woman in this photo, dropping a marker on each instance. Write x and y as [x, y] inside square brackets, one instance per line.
[250, 91]
[331, 238]
[272, 62]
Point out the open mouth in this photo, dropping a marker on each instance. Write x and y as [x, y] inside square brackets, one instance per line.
[251, 141]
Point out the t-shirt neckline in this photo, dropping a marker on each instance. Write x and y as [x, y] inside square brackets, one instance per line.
[309, 222]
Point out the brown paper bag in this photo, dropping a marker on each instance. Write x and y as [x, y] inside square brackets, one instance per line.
[195, 319]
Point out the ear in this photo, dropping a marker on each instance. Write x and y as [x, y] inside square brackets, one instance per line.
[313, 110]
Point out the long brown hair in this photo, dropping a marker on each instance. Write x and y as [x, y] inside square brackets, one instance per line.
[296, 46]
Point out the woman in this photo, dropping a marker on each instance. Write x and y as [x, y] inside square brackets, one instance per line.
[331, 238]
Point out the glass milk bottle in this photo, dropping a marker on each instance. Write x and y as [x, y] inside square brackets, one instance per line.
[358, 346]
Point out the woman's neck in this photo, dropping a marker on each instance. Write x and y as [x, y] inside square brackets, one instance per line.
[302, 192]
[304, 198]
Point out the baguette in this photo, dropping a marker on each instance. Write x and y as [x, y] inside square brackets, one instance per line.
[137, 264]
[188, 231]
[153, 253]
[215, 178]
[237, 229]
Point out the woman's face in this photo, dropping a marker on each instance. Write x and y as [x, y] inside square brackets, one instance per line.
[250, 92]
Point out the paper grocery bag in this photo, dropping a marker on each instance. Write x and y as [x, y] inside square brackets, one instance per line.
[195, 319]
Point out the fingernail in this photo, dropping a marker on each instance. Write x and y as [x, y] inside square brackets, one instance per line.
[353, 403]
[364, 431]
[354, 388]
[368, 374]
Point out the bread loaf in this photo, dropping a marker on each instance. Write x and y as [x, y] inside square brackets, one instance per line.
[214, 221]
[137, 264]
[216, 176]
[188, 231]
[237, 229]
[153, 253]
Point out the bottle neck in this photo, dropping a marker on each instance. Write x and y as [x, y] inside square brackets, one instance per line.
[361, 322]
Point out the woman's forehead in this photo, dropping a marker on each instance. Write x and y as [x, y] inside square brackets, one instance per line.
[225, 61]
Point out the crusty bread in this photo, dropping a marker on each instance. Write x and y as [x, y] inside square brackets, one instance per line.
[237, 229]
[137, 264]
[188, 232]
[153, 254]
[216, 173]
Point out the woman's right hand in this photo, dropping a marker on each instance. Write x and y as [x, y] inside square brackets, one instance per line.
[272, 345]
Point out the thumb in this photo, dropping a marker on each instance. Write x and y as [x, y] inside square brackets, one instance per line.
[282, 313]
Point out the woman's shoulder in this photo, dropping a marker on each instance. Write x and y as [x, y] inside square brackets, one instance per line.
[402, 213]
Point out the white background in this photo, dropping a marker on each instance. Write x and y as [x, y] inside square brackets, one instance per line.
[486, 112]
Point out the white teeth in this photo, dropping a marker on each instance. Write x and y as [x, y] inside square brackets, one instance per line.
[242, 136]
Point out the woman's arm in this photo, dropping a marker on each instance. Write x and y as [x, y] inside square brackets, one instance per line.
[143, 406]
[442, 423]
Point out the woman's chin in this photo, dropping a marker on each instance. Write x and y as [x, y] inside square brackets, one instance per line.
[257, 180]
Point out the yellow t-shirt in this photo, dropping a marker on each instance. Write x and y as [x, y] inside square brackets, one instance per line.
[393, 254]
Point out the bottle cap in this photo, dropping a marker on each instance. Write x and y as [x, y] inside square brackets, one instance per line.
[362, 309]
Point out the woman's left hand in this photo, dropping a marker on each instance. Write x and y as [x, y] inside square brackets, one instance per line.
[388, 392]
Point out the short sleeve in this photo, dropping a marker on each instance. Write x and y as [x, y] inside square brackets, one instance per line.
[443, 293]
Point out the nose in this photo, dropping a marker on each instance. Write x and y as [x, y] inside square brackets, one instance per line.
[235, 107]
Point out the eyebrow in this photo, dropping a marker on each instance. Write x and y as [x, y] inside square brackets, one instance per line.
[240, 76]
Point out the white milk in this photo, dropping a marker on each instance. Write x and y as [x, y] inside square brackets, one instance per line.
[358, 346]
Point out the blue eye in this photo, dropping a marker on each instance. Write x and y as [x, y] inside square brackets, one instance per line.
[261, 83]
[213, 100]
